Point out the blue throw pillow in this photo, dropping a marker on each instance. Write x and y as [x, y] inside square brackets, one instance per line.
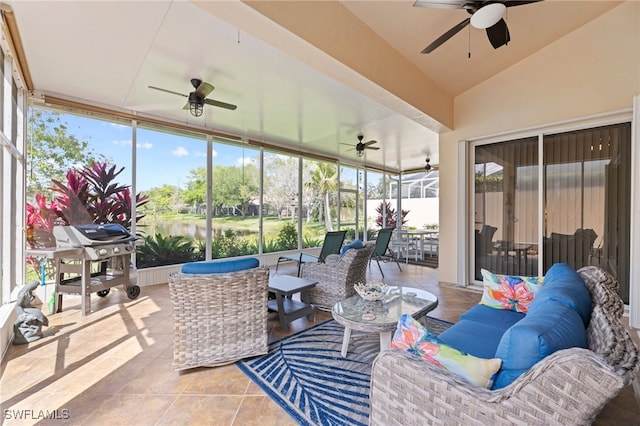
[563, 284]
[356, 244]
[540, 333]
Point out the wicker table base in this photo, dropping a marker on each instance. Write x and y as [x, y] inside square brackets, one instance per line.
[381, 316]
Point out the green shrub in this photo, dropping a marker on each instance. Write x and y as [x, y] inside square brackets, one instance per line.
[287, 237]
[159, 250]
[308, 241]
[270, 246]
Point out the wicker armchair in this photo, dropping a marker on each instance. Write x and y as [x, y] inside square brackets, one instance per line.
[337, 276]
[570, 386]
[218, 318]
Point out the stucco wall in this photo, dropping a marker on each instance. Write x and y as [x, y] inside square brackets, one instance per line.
[595, 69]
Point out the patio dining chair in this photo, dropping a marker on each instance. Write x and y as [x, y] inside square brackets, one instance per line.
[331, 245]
[382, 251]
[403, 242]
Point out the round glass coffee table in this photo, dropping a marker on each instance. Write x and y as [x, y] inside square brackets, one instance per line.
[381, 316]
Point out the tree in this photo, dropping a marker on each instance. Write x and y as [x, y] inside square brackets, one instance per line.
[164, 199]
[324, 180]
[280, 182]
[52, 150]
[235, 187]
[196, 192]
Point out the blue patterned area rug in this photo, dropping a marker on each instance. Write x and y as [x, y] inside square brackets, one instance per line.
[306, 375]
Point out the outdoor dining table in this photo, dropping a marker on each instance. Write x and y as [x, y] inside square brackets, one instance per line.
[423, 237]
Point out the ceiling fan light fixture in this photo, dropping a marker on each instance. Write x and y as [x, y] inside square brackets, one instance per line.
[196, 105]
[360, 153]
[487, 16]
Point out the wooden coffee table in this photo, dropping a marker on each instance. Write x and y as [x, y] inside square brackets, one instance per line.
[381, 316]
[284, 287]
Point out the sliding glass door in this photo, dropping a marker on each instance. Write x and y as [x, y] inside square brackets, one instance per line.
[587, 200]
[506, 207]
[585, 197]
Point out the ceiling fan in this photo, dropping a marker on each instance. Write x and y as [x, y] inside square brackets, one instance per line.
[428, 167]
[198, 98]
[485, 14]
[361, 146]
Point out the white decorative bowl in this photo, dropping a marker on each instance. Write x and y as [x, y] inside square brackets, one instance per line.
[371, 291]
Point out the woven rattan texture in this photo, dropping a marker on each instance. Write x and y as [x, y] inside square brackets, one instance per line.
[568, 387]
[218, 318]
[337, 276]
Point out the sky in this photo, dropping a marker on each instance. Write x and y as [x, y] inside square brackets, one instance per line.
[163, 158]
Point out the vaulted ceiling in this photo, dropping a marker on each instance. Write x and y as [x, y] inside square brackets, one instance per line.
[306, 75]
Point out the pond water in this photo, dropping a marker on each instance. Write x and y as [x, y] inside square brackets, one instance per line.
[194, 230]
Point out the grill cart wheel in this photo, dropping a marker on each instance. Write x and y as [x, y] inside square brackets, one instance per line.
[103, 293]
[133, 292]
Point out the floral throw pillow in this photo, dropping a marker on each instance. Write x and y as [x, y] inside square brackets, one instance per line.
[509, 292]
[415, 338]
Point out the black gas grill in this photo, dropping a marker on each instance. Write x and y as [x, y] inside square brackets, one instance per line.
[98, 241]
[104, 248]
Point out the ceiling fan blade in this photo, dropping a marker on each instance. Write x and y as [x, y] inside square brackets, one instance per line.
[440, 4]
[204, 89]
[512, 3]
[498, 34]
[446, 36]
[168, 91]
[220, 104]
[371, 142]
[371, 147]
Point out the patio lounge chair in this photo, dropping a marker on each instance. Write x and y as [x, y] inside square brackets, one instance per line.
[332, 244]
[382, 250]
[337, 276]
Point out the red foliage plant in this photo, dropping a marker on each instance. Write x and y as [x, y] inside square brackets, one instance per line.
[390, 216]
[89, 195]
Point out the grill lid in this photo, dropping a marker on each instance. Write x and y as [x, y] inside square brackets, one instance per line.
[89, 235]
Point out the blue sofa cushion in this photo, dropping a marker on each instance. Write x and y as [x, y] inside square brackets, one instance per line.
[550, 328]
[498, 318]
[562, 284]
[474, 338]
[355, 244]
[220, 266]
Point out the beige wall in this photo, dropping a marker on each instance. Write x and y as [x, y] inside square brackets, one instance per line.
[595, 69]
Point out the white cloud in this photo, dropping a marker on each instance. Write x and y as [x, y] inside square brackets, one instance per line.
[243, 161]
[180, 152]
[143, 145]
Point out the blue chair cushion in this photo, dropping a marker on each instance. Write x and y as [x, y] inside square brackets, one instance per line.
[355, 244]
[563, 284]
[220, 266]
[540, 333]
[498, 318]
[464, 336]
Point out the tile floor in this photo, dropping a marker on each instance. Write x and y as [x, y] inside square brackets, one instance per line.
[113, 367]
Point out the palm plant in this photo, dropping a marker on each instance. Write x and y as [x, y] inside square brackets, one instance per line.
[160, 250]
[324, 179]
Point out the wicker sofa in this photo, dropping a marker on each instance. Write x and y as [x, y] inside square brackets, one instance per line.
[219, 311]
[337, 275]
[570, 386]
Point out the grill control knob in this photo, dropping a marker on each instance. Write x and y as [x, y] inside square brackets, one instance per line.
[116, 249]
[102, 252]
